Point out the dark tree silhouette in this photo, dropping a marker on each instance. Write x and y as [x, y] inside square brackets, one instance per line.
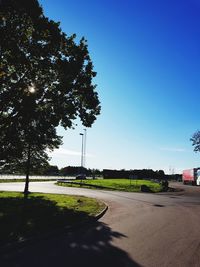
[39, 163]
[196, 141]
[45, 81]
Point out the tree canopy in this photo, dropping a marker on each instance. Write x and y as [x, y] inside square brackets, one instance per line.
[196, 141]
[46, 80]
[39, 163]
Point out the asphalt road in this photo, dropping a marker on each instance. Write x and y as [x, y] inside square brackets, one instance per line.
[137, 230]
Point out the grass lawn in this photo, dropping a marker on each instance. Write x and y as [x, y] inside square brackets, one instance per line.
[116, 184]
[41, 213]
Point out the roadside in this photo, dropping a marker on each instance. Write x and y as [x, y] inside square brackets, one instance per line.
[138, 230]
[126, 185]
[188, 190]
[42, 215]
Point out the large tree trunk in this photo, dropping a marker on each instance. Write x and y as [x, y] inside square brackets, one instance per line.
[26, 192]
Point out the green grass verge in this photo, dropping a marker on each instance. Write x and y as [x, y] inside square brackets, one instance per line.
[116, 184]
[42, 213]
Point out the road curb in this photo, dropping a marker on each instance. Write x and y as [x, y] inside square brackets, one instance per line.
[101, 213]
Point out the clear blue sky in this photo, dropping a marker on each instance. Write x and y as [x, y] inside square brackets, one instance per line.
[147, 57]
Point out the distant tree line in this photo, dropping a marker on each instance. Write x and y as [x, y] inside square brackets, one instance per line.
[74, 170]
[50, 170]
[176, 177]
[140, 174]
[134, 174]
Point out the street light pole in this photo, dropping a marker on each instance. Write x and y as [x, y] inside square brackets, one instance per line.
[85, 135]
[82, 151]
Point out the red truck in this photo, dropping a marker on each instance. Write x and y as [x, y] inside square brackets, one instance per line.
[191, 176]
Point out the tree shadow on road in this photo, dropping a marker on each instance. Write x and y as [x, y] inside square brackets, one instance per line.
[36, 216]
[89, 246]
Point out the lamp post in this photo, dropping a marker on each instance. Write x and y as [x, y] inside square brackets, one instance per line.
[82, 135]
[85, 135]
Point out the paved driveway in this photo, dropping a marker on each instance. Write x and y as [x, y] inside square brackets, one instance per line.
[137, 230]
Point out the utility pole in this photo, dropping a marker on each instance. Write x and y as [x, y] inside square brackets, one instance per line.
[82, 151]
[81, 156]
[85, 137]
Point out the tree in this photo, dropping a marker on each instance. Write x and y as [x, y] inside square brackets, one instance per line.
[160, 174]
[196, 141]
[70, 170]
[51, 170]
[45, 81]
[39, 163]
